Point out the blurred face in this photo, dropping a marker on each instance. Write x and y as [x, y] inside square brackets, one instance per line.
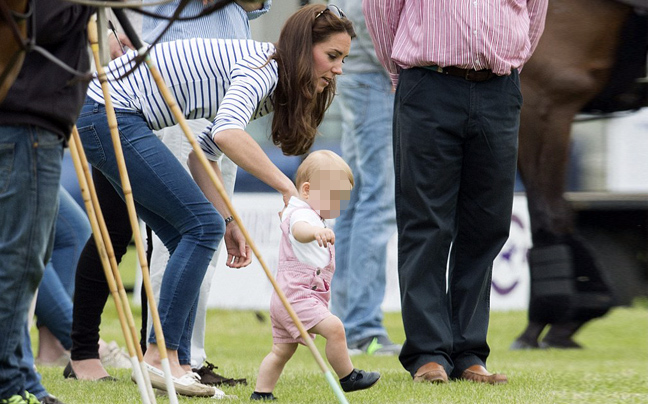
[328, 193]
[328, 57]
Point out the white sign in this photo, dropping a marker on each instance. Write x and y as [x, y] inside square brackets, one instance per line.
[627, 165]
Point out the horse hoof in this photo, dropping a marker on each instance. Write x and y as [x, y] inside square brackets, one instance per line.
[522, 344]
[564, 343]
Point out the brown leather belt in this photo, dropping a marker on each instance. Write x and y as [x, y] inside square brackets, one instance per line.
[467, 74]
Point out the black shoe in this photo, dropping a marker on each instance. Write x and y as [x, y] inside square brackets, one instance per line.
[50, 399]
[263, 396]
[209, 377]
[68, 373]
[359, 380]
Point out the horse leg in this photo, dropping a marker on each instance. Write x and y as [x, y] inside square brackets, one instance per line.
[529, 337]
[570, 66]
[592, 297]
[560, 335]
[544, 149]
[557, 256]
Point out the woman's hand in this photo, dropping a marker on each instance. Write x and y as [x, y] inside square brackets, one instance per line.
[250, 5]
[238, 252]
[289, 192]
[119, 45]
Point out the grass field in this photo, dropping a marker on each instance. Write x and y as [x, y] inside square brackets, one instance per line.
[612, 369]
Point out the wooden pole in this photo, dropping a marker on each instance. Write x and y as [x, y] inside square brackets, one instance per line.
[132, 214]
[102, 240]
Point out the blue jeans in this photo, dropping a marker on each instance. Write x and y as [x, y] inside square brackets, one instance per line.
[54, 302]
[363, 230]
[32, 377]
[170, 202]
[30, 170]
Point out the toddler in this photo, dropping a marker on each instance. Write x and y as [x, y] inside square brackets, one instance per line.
[306, 266]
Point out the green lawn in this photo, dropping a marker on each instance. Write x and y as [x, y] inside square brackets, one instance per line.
[612, 369]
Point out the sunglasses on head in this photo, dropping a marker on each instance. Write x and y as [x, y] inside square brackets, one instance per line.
[333, 9]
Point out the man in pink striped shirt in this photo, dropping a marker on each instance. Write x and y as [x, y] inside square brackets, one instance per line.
[456, 119]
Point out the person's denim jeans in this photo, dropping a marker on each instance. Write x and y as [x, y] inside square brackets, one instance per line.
[363, 230]
[175, 140]
[30, 171]
[54, 302]
[170, 202]
[32, 377]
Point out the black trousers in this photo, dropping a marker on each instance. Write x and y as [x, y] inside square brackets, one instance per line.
[455, 151]
[91, 287]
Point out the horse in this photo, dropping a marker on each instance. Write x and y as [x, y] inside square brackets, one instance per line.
[575, 59]
[13, 24]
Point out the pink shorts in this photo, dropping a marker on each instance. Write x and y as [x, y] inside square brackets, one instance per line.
[308, 292]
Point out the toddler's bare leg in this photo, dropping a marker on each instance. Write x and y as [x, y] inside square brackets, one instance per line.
[272, 366]
[337, 354]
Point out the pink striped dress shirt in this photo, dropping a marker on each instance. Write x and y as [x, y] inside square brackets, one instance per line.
[499, 35]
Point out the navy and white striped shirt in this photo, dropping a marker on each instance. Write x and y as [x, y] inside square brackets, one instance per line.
[221, 80]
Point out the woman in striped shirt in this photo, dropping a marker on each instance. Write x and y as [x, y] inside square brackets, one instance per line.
[229, 82]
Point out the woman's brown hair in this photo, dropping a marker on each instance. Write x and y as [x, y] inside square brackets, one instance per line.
[298, 108]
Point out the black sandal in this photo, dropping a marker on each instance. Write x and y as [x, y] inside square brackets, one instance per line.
[68, 373]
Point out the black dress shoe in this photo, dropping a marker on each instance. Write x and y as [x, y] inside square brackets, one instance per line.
[68, 373]
[211, 378]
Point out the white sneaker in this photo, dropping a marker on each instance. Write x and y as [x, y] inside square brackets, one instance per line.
[219, 394]
[112, 356]
[187, 385]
